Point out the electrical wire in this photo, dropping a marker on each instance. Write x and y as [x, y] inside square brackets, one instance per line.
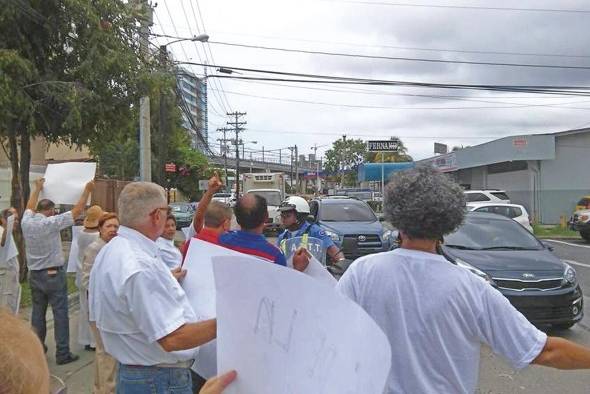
[398, 58]
[477, 8]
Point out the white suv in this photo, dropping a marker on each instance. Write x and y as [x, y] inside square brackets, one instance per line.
[486, 196]
[513, 211]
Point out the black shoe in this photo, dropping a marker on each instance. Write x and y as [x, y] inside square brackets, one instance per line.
[89, 348]
[70, 358]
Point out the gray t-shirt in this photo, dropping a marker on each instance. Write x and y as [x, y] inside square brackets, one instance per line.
[436, 316]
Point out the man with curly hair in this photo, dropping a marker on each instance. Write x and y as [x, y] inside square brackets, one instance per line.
[435, 314]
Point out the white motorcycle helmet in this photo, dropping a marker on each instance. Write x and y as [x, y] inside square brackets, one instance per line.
[297, 204]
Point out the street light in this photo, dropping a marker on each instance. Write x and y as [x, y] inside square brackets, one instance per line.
[243, 143]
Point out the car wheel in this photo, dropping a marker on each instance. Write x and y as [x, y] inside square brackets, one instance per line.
[585, 235]
[564, 326]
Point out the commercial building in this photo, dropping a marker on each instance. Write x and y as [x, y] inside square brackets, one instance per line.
[193, 103]
[547, 173]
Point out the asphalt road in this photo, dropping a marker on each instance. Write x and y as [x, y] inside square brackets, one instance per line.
[496, 376]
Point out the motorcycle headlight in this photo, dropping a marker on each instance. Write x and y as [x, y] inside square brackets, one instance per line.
[569, 275]
[335, 237]
[475, 271]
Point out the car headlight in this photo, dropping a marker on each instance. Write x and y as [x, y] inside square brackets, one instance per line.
[386, 236]
[473, 270]
[569, 275]
[335, 237]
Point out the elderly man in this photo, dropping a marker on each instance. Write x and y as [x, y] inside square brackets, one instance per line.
[436, 336]
[41, 230]
[141, 312]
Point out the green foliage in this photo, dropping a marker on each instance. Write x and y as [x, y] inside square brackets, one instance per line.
[344, 158]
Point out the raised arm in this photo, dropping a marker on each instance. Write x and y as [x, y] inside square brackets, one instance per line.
[214, 186]
[34, 197]
[81, 204]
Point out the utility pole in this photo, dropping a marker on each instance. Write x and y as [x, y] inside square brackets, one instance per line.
[223, 149]
[318, 182]
[291, 148]
[296, 169]
[145, 148]
[163, 140]
[237, 129]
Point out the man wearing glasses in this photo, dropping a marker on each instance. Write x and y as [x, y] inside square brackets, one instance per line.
[41, 228]
[143, 315]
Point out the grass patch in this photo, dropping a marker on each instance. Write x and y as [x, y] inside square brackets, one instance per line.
[25, 299]
[554, 231]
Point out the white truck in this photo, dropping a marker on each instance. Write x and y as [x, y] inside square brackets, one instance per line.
[271, 186]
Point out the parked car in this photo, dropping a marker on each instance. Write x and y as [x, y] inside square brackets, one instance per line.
[183, 212]
[580, 221]
[513, 211]
[584, 203]
[225, 198]
[542, 287]
[486, 196]
[352, 225]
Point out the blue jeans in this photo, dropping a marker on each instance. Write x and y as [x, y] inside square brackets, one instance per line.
[132, 379]
[51, 290]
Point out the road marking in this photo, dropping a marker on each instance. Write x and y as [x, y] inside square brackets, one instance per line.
[567, 243]
[574, 262]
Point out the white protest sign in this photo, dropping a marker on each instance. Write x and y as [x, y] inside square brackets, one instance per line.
[317, 271]
[65, 182]
[199, 286]
[286, 333]
[187, 232]
[9, 250]
[73, 257]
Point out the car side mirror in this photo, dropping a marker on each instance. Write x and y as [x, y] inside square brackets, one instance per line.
[548, 246]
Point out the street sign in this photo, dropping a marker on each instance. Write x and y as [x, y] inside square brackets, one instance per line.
[170, 167]
[440, 148]
[520, 142]
[203, 184]
[383, 146]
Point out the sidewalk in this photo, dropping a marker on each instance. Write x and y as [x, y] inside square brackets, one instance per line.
[79, 375]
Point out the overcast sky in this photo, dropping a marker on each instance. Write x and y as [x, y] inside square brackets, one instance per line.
[280, 119]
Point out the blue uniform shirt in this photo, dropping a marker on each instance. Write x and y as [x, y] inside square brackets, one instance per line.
[314, 231]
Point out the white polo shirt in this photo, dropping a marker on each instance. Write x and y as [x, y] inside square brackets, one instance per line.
[436, 316]
[135, 300]
[170, 254]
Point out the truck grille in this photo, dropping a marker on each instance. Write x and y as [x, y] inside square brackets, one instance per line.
[515, 284]
[357, 245]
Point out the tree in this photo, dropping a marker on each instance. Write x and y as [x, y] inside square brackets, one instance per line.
[344, 158]
[390, 157]
[71, 72]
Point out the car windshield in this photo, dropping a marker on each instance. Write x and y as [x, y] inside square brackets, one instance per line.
[180, 208]
[347, 211]
[272, 198]
[491, 234]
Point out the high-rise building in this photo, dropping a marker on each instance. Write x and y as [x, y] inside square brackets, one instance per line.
[193, 102]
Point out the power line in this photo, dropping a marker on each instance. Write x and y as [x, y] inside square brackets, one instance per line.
[408, 108]
[398, 58]
[207, 46]
[370, 134]
[478, 8]
[324, 79]
[477, 52]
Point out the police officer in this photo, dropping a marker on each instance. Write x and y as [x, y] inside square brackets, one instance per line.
[294, 213]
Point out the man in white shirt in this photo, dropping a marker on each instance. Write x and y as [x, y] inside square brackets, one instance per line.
[140, 310]
[47, 276]
[436, 315]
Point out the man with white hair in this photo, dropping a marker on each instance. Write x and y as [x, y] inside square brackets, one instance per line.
[140, 310]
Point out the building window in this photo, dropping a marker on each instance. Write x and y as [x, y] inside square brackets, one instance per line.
[507, 166]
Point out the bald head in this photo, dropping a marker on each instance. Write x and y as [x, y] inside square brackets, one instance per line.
[251, 211]
[23, 368]
[216, 214]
